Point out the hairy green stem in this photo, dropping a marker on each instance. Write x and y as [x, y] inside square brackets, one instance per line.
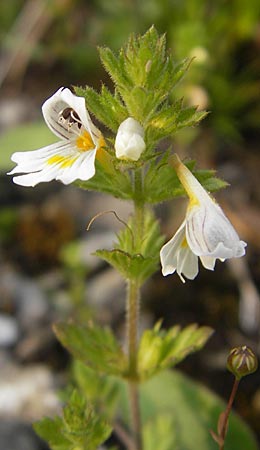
[135, 413]
[133, 302]
[132, 325]
[132, 342]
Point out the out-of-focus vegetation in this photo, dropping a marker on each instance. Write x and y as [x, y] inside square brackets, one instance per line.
[223, 36]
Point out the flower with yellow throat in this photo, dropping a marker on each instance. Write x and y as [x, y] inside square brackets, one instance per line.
[73, 157]
[206, 232]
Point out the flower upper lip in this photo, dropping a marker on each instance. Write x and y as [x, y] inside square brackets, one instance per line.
[73, 157]
[53, 108]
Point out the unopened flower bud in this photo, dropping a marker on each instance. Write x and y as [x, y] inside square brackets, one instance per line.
[242, 361]
[129, 142]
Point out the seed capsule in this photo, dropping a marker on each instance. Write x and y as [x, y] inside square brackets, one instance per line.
[242, 361]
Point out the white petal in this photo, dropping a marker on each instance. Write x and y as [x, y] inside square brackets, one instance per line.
[129, 146]
[209, 232]
[82, 169]
[168, 253]
[208, 262]
[32, 179]
[33, 161]
[131, 126]
[41, 169]
[53, 107]
[187, 263]
[129, 143]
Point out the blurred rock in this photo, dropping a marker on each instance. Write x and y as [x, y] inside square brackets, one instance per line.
[26, 296]
[9, 331]
[106, 293]
[27, 394]
[36, 344]
[14, 111]
[93, 242]
[19, 436]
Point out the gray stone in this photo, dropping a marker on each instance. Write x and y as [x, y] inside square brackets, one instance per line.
[28, 298]
[19, 436]
[9, 331]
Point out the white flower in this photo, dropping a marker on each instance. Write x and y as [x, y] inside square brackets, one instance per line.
[73, 157]
[129, 142]
[206, 233]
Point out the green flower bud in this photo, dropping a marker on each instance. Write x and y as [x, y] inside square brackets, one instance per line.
[242, 361]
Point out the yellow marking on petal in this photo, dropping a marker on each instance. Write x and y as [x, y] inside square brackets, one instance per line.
[63, 161]
[84, 142]
[184, 243]
[193, 201]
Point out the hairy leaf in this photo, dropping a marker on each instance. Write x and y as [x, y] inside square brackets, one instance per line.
[160, 349]
[78, 427]
[125, 258]
[94, 346]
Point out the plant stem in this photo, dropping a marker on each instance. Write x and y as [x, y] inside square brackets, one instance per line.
[139, 208]
[132, 341]
[133, 301]
[223, 430]
[132, 325]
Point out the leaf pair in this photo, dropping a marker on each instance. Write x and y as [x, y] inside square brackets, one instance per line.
[98, 349]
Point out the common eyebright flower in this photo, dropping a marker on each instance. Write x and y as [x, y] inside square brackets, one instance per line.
[73, 157]
[129, 143]
[206, 233]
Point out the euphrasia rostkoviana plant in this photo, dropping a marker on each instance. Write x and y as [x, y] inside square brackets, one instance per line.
[125, 161]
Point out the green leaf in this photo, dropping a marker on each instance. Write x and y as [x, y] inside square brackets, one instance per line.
[189, 410]
[177, 412]
[98, 389]
[194, 410]
[189, 117]
[94, 346]
[78, 428]
[115, 182]
[160, 349]
[115, 66]
[136, 263]
[158, 433]
[161, 182]
[106, 107]
[51, 430]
